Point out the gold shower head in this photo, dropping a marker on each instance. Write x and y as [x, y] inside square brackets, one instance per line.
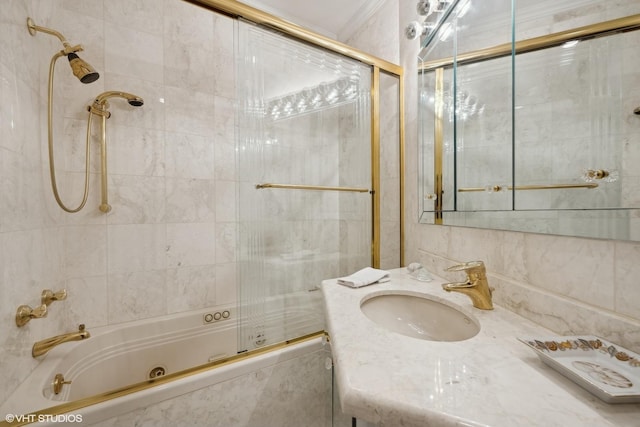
[80, 68]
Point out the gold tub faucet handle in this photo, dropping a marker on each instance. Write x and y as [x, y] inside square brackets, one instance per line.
[48, 296]
[58, 383]
[25, 313]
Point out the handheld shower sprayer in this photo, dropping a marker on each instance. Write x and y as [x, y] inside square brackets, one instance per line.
[133, 100]
[80, 68]
[100, 107]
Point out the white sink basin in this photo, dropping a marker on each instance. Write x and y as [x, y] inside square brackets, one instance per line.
[419, 316]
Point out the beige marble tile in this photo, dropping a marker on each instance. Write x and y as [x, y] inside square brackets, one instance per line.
[189, 156]
[627, 271]
[136, 295]
[186, 23]
[87, 301]
[190, 200]
[225, 201]
[142, 58]
[188, 111]
[578, 268]
[134, 150]
[136, 247]
[145, 15]
[136, 199]
[85, 250]
[191, 288]
[191, 244]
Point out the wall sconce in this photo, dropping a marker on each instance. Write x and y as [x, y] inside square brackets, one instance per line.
[427, 8]
[416, 29]
[423, 7]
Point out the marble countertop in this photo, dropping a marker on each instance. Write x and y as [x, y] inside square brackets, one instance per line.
[491, 379]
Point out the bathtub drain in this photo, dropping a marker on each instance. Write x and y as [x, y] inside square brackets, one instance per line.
[156, 372]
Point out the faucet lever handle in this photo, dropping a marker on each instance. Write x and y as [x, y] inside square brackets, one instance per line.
[466, 266]
[26, 313]
[48, 296]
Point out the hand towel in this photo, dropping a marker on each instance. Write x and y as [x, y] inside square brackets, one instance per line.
[364, 277]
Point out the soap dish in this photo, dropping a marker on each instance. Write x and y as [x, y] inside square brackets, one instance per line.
[607, 370]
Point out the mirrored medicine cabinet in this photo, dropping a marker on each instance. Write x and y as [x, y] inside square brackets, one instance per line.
[528, 132]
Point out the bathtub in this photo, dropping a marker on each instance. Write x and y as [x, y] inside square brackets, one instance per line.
[155, 351]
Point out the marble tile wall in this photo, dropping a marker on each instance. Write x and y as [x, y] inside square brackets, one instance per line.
[570, 285]
[168, 245]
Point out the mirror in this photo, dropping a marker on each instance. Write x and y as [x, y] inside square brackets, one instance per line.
[539, 136]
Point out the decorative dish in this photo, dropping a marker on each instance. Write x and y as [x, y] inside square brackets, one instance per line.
[607, 370]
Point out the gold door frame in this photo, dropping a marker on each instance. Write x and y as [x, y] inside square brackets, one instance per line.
[437, 66]
[236, 9]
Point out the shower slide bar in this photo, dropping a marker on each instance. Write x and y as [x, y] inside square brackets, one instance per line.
[497, 188]
[312, 187]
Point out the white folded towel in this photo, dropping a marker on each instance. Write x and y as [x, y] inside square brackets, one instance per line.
[364, 277]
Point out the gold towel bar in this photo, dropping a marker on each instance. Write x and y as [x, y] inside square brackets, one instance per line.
[528, 187]
[312, 187]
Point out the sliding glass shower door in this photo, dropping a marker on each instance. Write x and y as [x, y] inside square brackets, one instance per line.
[304, 181]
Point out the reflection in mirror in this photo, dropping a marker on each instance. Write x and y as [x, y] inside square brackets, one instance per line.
[536, 136]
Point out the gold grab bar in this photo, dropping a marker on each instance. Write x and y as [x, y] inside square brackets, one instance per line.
[312, 187]
[496, 188]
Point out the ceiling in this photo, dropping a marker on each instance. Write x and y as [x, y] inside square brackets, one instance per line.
[337, 19]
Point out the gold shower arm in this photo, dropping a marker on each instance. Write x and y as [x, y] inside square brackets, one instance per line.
[33, 28]
[496, 188]
[312, 187]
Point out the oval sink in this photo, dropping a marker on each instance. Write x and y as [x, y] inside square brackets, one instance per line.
[419, 316]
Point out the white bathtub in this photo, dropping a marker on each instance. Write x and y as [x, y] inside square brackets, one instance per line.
[121, 355]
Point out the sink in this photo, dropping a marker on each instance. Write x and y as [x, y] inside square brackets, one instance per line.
[420, 316]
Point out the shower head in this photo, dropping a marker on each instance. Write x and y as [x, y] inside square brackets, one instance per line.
[81, 69]
[637, 111]
[136, 102]
[133, 100]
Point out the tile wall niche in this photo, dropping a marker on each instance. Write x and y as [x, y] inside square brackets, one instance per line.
[569, 285]
[169, 243]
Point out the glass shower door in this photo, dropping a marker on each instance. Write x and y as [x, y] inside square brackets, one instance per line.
[304, 165]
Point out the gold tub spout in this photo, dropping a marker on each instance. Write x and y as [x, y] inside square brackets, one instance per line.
[476, 287]
[44, 346]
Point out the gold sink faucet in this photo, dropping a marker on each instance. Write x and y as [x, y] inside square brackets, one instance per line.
[44, 346]
[476, 287]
